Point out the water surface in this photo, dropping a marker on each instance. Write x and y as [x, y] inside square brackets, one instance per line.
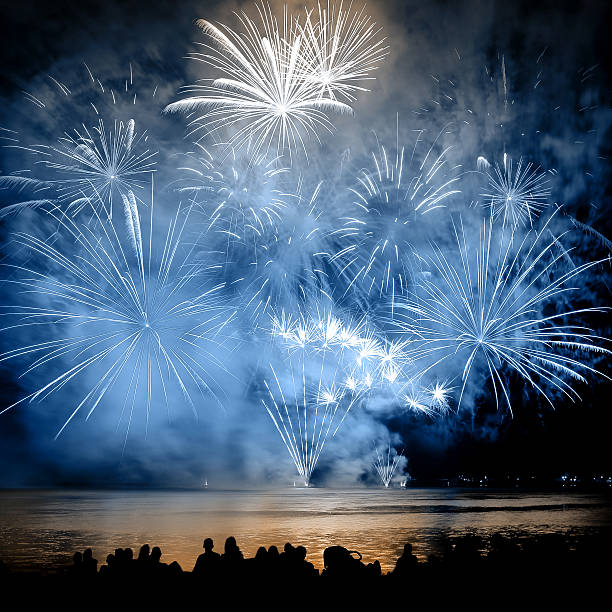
[44, 528]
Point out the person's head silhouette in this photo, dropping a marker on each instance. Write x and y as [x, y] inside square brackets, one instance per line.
[273, 551]
[156, 554]
[230, 544]
[208, 544]
[143, 554]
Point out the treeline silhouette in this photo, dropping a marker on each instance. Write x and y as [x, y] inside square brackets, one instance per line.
[457, 561]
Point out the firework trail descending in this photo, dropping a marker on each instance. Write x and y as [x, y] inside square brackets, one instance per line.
[387, 204]
[117, 313]
[328, 366]
[488, 309]
[518, 195]
[271, 95]
[386, 464]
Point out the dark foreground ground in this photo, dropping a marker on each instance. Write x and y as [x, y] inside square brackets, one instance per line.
[555, 566]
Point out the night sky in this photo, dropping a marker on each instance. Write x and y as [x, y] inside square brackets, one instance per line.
[444, 58]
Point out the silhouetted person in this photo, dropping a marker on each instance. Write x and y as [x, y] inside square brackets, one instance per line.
[232, 561]
[174, 569]
[287, 554]
[287, 564]
[90, 565]
[142, 565]
[77, 565]
[273, 560]
[374, 570]
[143, 553]
[273, 552]
[158, 569]
[208, 563]
[406, 564]
[109, 569]
[305, 569]
[232, 553]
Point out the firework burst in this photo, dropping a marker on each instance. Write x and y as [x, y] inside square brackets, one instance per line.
[119, 315]
[488, 308]
[102, 166]
[322, 376]
[431, 401]
[343, 47]
[263, 96]
[387, 204]
[291, 265]
[518, 194]
[241, 198]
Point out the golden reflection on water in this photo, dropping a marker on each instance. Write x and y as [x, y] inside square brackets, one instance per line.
[46, 527]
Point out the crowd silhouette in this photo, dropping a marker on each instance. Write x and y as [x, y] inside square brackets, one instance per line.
[457, 560]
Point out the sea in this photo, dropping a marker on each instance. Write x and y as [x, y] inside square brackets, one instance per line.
[41, 529]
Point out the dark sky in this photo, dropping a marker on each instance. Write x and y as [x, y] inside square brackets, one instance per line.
[556, 57]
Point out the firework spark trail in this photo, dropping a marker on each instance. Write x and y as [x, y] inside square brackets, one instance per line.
[122, 313]
[304, 409]
[264, 94]
[377, 234]
[330, 365]
[386, 464]
[517, 195]
[33, 190]
[488, 306]
[342, 48]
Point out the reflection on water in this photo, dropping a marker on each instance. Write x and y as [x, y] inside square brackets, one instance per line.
[46, 527]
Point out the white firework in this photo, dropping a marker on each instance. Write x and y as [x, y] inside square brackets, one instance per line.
[518, 194]
[388, 202]
[242, 198]
[486, 307]
[112, 313]
[307, 401]
[100, 165]
[343, 47]
[386, 464]
[289, 266]
[431, 401]
[262, 97]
